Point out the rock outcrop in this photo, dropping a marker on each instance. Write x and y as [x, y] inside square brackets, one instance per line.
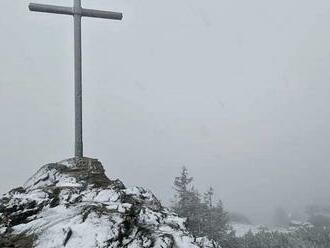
[73, 204]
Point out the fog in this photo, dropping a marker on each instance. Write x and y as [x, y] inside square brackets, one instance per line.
[237, 91]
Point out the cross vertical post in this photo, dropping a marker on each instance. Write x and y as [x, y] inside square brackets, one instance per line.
[78, 79]
[77, 12]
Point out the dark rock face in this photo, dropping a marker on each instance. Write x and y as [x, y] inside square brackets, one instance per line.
[17, 241]
[73, 203]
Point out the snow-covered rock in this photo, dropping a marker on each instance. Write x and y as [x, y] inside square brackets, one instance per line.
[73, 204]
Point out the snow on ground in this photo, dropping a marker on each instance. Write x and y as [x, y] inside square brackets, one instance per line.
[242, 229]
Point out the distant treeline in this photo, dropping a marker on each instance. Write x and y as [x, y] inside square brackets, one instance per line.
[206, 217]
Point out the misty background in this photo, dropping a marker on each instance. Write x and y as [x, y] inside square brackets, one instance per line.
[237, 91]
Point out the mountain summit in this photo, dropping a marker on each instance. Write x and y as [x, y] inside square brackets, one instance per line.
[73, 204]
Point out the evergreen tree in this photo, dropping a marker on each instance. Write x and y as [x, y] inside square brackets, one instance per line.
[183, 192]
[208, 197]
[202, 217]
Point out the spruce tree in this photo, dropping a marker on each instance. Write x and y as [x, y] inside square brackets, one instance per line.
[203, 218]
[183, 192]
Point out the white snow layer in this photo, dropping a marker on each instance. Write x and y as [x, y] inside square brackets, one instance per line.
[68, 214]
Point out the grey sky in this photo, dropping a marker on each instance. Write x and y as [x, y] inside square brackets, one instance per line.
[238, 91]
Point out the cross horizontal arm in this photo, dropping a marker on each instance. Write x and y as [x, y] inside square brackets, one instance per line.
[71, 11]
[101, 14]
[51, 9]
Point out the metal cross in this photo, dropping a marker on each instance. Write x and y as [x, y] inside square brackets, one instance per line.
[77, 12]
